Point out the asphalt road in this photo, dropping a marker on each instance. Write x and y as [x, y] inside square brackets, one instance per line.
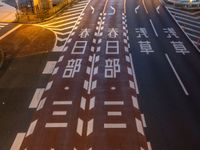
[126, 78]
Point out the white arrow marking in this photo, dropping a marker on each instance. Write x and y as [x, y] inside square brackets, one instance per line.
[136, 9]
[92, 9]
[113, 10]
[157, 9]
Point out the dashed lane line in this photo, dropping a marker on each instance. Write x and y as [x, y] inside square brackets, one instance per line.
[18, 141]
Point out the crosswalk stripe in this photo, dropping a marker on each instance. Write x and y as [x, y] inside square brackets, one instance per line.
[72, 11]
[61, 25]
[192, 30]
[70, 27]
[192, 35]
[186, 23]
[183, 18]
[184, 15]
[71, 15]
[186, 12]
[75, 8]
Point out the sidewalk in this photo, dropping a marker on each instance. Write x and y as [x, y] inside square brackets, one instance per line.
[7, 13]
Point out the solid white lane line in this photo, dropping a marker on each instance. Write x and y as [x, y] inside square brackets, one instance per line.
[79, 128]
[114, 113]
[139, 126]
[105, 5]
[177, 76]
[9, 32]
[56, 125]
[113, 103]
[114, 125]
[50, 65]
[41, 104]
[59, 113]
[135, 102]
[143, 121]
[18, 141]
[31, 128]
[124, 7]
[134, 75]
[36, 98]
[153, 27]
[145, 6]
[90, 127]
[62, 103]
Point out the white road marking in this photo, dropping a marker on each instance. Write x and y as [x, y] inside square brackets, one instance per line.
[177, 76]
[149, 146]
[79, 128]
[124, 8]
[90, 127]
[59, 113]
[143, 121]
[112, 47]
[55, 71]
[83, 103]
[113, 103]
[145, 6]
[79, 47]
[114, 113]
[18, 141]
[9, 32]
[62, 103]
[31, 128]
[56, 125]
[41, 104]
[157, 9]
[50, 65]
[114, 125]
[36, 98]
[92, 9]
[153, 27]
[113, 9]
[139, 126]
[136, 9]
[49, 85]
[92, 103]
[131, 84]
[135, 102]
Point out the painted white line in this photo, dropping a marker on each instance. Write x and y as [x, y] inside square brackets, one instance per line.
[145, 6]
[92, 103]
[113, 103]
[149, 146]
[91, 74]
[134, 75]
[56, 125]
[62, 103]
[135, 102]
[63, 25]
[124, 7]
[136, 9]
[59, 113]
[41, 104]
[153, 27]
[83, 103]
[139, 126]
[55, 71]
[105, 5]
[31, 128]
[79, 128]
[143, 121]
[189, 20]
[49, 85]
[186, 23]
[9, 32]
[114, 125]
[36, 98]
[114, 113]
[184, 15]
[18, 141]
[49, 67]
[177, 76]
[90, 127]
[131, 84]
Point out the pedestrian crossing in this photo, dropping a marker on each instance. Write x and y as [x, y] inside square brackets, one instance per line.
[63, 24]
[189, 22]
[2, 25]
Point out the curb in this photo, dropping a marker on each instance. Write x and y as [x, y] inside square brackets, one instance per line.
[1, 58]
